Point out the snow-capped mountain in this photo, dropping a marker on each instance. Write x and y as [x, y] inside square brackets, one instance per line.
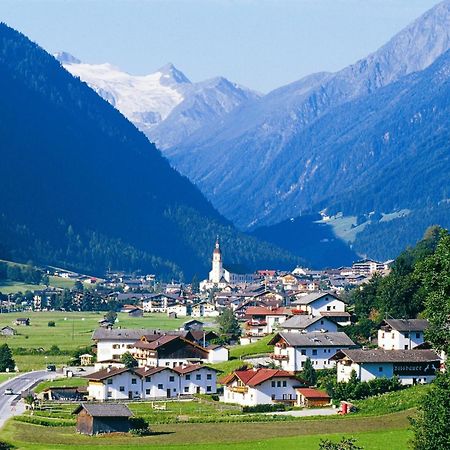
[165, 105]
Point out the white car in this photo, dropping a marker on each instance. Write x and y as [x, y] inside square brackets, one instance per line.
[9, 391]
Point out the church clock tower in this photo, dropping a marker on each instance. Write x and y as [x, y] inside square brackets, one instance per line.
[216, 273]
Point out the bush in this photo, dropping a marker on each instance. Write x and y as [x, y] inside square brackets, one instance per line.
[264, 408]
[51, 323]
[5, 446]
[139, 426]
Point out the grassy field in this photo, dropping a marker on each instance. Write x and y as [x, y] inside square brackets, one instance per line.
[72, 330]
[6, 376]
[384, 432]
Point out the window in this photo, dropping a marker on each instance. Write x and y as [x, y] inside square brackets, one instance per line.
[321, 322]
[188, 377]
[160, 386]
[186, 389]
[406, 335]
[314, 352]
[110, 381]
[122, 388]
[172, 379]
[273, 383]
[284, 383]
[303, 351]
[278, 383]
[147, 392]
[382, 334]
[406, 346]
[417, 335]
[208, 388]
[198, 376]
[167, 364]
[109, 394]
[380, 369]
[133, 381]
[148, 379]
[273, 396]
[328, 308]
[208, 376]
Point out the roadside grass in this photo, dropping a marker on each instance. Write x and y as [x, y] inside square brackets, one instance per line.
[372, 433]
[5, 376]
[61, 382]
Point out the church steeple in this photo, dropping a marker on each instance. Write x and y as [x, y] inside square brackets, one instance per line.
[216, 273]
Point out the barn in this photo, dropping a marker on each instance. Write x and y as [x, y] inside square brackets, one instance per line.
[310, 397]
[95, 418]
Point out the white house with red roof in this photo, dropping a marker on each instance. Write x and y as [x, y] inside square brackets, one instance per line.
[262, 321]
[260, 386]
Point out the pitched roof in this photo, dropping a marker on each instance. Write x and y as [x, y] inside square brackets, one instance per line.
[263, 311]
[147, 371]
[192, 368]
[313, 339]
[103, 374]
[119, 334]
[300, 321]
[381, 355]
[310, 298]
[253, 377]
[312, 393]
[156, 343]
[104, 409]
[407, 324]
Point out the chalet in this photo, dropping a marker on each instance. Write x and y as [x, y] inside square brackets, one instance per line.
[132, 311]
[368, 267]
[310, 397]
[151, 382]
[178, 310]
[159, 302]
[262, 321]
[401, 334]
[306, 323]
[291, 349]
[410, 366]
[204, 309]
[202, 337]
[22, 321]
[86, 359]
[260, 386]
[99, 418]
[8, 331]
[193, 324]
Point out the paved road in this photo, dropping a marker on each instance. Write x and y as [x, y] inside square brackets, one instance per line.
[9, 404]
[306, 412]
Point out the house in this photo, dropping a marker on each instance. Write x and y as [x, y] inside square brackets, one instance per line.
[159, 302]
[193, 324]
[100, 418]
[202, 337]
[411, 366]
[177, 310]
[217, 353]
[22, 321]
[204, 309]
[306, 323]
[132, 311]
[115, 383]
[291, 349]
[368, 267]
[260, 386]
[168, 351]
[311, 397]
[8, 331]
[323, 303]
[86, 359]
[401, 334]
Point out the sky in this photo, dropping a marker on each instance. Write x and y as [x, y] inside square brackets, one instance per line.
[261, 44]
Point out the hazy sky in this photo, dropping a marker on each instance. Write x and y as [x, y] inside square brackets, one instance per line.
[262, 44]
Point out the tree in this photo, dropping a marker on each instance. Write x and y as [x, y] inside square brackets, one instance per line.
[6, 360]
[111, 316]
[229, 326]
[195, 285]
[78, 286]
[128, 360]
[431, 426]
[309, 373]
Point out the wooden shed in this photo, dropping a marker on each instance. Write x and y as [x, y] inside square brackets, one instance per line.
[95, 418]
[312, 397]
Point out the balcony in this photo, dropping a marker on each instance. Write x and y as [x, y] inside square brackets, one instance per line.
[279, 357]
[238, 389]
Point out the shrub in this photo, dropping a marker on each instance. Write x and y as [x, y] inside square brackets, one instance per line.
[139, 426]
[264, 408]
[51, 323]
[5, 446]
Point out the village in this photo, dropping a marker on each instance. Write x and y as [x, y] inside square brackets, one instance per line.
[300, 315]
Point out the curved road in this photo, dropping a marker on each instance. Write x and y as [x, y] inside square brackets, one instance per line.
[9, 404]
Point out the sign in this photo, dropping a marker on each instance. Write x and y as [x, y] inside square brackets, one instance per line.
[419, 368]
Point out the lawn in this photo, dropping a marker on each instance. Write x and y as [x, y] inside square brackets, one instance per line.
[372, 433]
[6, 376]
[66, 382]
[72, 330]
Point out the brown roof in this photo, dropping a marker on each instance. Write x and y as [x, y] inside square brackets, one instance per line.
[263, 311]
[104, 409]
[255, 377]
[147, 371]
[312, 393]
[103, 374]
[192, 368]
[407, 324]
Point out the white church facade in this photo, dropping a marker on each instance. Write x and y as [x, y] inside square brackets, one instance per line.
[220, 277]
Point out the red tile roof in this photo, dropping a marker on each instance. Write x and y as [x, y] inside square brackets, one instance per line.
[312, 393]
[262, 311]
[255, 377]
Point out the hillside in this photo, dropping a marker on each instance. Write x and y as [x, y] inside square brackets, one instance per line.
[82, 188]
[316, 143]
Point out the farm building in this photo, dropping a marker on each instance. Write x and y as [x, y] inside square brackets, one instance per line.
[102, 418]
[312, 397]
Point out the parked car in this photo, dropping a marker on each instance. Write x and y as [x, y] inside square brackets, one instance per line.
[51, 368]
[9, 391]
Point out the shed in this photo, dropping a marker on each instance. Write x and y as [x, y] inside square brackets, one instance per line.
[7, 331]
[312, 397]
[95, 418]
[23, 321]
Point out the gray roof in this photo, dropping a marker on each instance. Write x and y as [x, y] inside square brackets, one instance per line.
[309, 298]
[407, 324]
[105, 409]
[314, 339]
[300, 321]
[378, 355]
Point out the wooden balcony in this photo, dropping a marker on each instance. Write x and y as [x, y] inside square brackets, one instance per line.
[238, 389]
[279, 357]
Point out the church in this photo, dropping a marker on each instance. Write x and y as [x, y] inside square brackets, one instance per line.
[220, 277]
